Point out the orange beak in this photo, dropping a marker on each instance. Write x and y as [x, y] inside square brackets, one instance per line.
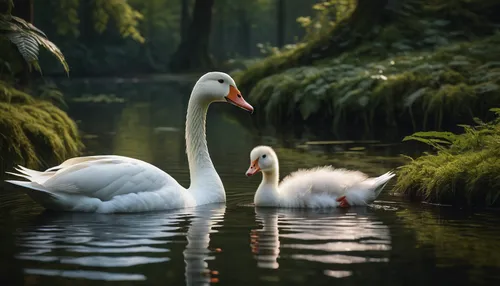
[234, 97]
[253, 169]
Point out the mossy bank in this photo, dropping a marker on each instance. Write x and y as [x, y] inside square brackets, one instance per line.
[34, 132]
[465, 171]
[413, 74]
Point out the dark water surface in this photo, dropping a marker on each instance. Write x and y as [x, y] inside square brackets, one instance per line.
[388, 243]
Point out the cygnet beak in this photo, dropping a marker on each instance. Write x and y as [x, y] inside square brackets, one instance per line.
[235, 98]
[253, 169]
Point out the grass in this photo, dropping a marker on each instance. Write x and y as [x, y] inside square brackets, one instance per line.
[34, 132]
[465, 171]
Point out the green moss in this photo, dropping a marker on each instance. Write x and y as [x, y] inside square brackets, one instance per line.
[465, 170]
[33, 132]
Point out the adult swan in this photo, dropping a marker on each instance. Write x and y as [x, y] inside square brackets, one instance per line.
[108, 184]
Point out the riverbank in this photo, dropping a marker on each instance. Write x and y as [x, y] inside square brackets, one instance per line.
[413, 73]
[464, 172]
[34, 132]
[411, 91]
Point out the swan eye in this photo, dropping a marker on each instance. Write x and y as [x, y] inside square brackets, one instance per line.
[263, 156]
[221, 81]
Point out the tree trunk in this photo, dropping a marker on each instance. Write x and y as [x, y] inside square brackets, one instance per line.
[24, 10]
[192, 53]
[366, 15]
[347, 34]
[184, 19]
[280, 31]
[244, 33]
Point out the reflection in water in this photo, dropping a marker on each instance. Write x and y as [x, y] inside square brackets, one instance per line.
[474, 241]
[116, 247]
[197, 251]
[291, 247]
[133, 132]
[330, 237]
[265, 243]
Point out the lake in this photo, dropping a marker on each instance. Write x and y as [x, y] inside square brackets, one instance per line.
[391, 242]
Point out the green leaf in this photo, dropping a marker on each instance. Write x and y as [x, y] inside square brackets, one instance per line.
[28, 39]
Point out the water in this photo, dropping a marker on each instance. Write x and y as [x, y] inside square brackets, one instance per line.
[391, 242]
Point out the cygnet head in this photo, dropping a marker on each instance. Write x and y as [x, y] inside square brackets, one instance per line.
[219, 87]
[262, 158]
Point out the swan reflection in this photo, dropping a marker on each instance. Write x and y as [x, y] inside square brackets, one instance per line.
[116, 247]
[333, 238]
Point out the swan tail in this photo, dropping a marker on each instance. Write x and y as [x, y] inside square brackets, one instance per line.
[34, 186]
[368, 190]
[31, 175]
[381, 181]
[35, 191]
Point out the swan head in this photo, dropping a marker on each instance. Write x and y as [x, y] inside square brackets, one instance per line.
[262, 158]
[219, 87]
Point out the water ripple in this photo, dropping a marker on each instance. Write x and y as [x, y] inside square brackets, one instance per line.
[86, 274]
[341, 238]
[62, 240]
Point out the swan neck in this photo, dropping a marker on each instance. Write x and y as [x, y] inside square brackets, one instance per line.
[268, 193]
[271, 178]
[200, 164]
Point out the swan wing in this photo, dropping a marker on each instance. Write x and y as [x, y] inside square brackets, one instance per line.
[77, 160]
[101, 177]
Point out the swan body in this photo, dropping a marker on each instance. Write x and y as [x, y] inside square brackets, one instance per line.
[320, 187]
[109, 184]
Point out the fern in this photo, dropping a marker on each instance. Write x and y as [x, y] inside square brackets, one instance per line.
[28, 39]
[435, 139]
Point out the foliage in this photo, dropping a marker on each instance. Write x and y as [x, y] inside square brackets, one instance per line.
[34, 132]
[413, 25]
[418, 89]
[28, 40]
[465, 170]
[328, 14]
[97, 35]
[125, 17]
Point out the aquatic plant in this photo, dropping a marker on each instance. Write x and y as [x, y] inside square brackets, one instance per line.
[465, 170]
[34, 132]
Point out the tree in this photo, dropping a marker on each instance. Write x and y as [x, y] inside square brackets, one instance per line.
[345, 34]
[184, 18]
[192, 53]
[280, 36]
[244, 28]
[96, 13]
[348, 33]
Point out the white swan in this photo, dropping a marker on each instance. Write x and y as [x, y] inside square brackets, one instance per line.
[321, 187]
[107, 184]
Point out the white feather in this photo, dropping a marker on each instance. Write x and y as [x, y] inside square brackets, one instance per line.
[111, 183]
[319, 187]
